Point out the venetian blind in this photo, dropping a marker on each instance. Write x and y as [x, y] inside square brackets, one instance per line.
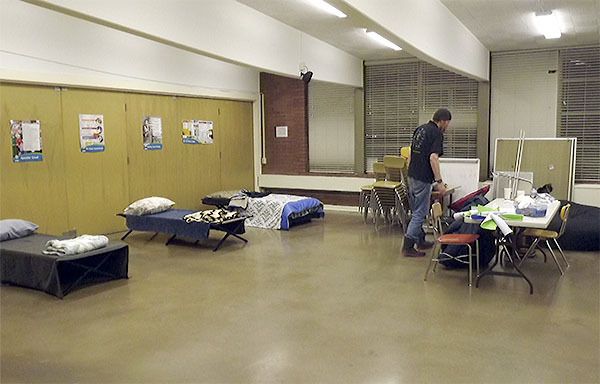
[391, 109]
[330, 127]
[441, 88]
[579, 108]
[400, 96]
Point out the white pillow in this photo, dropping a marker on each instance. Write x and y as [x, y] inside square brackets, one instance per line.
[148, 206]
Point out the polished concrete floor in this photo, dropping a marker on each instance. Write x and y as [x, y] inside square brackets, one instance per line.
[329, 302]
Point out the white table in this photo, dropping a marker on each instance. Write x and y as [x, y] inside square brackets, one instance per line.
[527, 222]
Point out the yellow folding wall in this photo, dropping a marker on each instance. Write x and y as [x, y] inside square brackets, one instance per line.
[151, 172]
[83, 191]
[33, 191]
[236, 145]
[97, 183]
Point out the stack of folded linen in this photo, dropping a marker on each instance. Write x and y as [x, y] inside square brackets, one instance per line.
[83, 243]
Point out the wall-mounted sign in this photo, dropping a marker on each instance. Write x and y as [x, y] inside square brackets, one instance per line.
[281, 131]
[197, 132]
[152, 133]
[91, 133]
[26, 138]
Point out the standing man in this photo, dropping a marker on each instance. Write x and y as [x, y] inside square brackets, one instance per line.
[423, 171]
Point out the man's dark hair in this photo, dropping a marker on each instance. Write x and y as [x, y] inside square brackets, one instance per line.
[441, 115]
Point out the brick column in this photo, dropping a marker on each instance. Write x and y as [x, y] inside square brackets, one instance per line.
[286, 103]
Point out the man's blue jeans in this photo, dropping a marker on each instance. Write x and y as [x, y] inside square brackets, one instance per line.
[419, 193]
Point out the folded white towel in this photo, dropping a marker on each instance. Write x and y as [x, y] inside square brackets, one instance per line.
[83, 243]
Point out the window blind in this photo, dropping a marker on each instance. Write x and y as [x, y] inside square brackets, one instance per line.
[391, 109]
[331, 127]
[524, 94]
[400, 96]
[579, 108]
[441, 88]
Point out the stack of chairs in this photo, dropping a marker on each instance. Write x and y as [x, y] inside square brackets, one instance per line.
[389, 198]
[405, 153]
[403, 207]
[364, 200]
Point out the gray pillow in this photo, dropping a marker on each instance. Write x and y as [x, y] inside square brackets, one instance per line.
[15, 228]
[224, 194]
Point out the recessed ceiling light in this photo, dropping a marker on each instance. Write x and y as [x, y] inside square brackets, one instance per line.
[324, 6]
[382, 40]
[547, 24]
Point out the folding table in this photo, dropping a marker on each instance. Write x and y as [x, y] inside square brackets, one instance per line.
[503, 241]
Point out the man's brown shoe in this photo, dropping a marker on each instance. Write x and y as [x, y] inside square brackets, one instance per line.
[425, 245]
[411, 252]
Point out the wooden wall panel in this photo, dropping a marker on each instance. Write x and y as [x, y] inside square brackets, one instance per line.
[83, 191]
[33, 191]
[548, 160]
[237, 149]
[197, 166]
[97, 183]
[152, 173]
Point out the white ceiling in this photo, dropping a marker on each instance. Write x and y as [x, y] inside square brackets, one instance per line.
[500, 25]
[506, 25]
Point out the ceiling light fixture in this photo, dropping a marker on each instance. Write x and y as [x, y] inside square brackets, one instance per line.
[382, 40]
[547, 24]
[324, 6]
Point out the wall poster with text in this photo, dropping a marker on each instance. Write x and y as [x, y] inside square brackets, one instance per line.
[152, 133]
[91, 133]
[26, 139]
[197, 132]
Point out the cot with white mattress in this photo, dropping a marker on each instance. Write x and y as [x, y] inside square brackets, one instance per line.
[272, 210]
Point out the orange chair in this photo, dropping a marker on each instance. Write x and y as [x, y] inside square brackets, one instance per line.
[451, 239]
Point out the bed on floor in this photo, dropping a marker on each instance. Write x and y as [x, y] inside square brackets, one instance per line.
[23, 264]
[277, 211]
[172, 222]
[582, 232]
[269, 210]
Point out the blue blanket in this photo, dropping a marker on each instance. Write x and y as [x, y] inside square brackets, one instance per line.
[299, 207]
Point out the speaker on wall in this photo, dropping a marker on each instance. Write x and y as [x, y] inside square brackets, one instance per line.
[306, 76]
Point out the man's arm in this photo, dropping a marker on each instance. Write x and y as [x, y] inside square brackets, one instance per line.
[434, 160]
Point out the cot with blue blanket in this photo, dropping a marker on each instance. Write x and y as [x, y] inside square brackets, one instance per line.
[171, 222]
[272, 210]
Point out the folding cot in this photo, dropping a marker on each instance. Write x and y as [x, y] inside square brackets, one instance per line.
[171, 222]
[23, 264]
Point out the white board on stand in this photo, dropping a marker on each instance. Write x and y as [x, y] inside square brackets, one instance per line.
[460, 172]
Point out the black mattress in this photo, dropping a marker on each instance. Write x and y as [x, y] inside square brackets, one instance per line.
[23, 263]
[582, 232]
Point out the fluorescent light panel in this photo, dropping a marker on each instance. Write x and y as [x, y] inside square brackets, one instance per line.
[547, 24]
[382, 40]
[324, 6]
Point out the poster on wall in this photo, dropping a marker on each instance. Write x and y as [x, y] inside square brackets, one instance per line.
[91, 133]
[152, 133]
[197, 132]
[26, 138]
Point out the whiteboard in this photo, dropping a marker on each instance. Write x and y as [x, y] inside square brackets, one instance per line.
[460, 172]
